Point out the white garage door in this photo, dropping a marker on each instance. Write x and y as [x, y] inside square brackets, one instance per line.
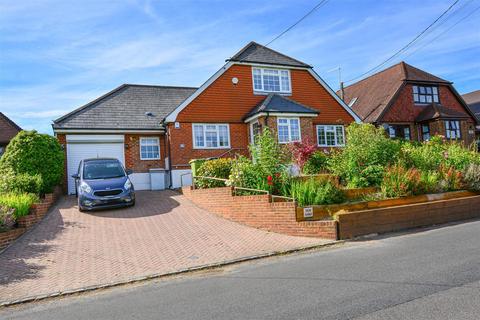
[81, 147]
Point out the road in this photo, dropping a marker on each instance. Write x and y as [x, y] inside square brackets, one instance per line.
[428, 274]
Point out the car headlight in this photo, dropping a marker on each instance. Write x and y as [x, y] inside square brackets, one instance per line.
[127, 184]
[85, 187]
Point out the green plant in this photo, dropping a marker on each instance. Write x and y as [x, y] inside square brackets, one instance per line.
[452, 178]
[20, 183]
[313, 192]
[430, 182]
[363, 160]
[21, 203]
[400, 182]
[217, 168]
[301, 151]
[472, 177]
[267, 154]
[33, 153]
[7, 220]
[316, 163]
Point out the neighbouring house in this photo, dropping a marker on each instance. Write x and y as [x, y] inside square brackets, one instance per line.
[157, 130]
[473, 101]
[412, 104]
[8, 130]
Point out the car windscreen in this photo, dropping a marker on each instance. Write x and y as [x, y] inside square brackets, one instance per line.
[102, 169]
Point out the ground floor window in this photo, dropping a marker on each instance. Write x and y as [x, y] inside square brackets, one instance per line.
[452, 129]
[211, 136]
[255, 130]
[149, 148]
[330, 135]
[399, 131]
[288, 130]
[425, 132]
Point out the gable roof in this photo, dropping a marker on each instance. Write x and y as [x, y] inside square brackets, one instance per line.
[8, 129]
[375, 93]
[276, 103]
[473, 101]
[256, 53]
[126, 107]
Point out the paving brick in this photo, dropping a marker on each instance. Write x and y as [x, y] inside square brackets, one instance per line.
[163, 233]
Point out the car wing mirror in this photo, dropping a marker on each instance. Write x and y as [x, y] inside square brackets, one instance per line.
[129, 171]
[75, 176]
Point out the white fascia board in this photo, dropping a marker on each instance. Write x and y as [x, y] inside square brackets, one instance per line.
[269, 66]
[172, 116]
[87, 131]
[280, 114]
[333, 94]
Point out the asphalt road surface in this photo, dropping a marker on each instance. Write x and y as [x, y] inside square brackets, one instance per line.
[428, 274]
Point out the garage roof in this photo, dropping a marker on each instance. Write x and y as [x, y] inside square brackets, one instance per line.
[128, 107]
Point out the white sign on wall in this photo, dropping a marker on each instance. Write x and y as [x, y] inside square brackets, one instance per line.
[308, 212]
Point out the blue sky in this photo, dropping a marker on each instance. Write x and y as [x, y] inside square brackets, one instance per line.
[57, 55]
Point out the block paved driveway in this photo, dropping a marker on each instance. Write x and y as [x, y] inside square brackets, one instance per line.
[163, 233]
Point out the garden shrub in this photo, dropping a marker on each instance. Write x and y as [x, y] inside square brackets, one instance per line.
[20, 183]
[400, 182]
[317, 163]
[267, 154]
[217, 168]
[313, 192]
[452, 179]
[472, 177]
[366, 155]
[7, 220]
[430, 182]
[21, 203]
[301, 152]
[33, 153]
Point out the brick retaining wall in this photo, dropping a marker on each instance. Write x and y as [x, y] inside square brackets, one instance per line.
[257, 211]
[397, 218]
[9, 236]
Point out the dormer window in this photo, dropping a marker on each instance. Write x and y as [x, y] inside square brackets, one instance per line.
[271, 80]
[425, 94]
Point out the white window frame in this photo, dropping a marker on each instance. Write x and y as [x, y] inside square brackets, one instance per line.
[194, 142]
[458, 129]
[282, 91]
[335, 126]
[289, 129]
[434, 93]
[252, 137]
[158, 145]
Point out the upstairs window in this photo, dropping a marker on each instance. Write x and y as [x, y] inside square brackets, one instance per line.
[452, 129]
[425, 94]
[149, 148]
[271, 80]
[330, 136]
[211, 136]
[288, 130]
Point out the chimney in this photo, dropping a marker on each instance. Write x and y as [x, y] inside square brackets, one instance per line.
[342, 91]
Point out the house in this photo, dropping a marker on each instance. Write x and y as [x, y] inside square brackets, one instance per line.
[473, 101]
[159, 129]
[8, 130]
[412, 104]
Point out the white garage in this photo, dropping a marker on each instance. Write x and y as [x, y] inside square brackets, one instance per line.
[91, 146]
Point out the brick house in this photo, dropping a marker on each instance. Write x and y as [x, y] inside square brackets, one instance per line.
[160, 129]
[8, 130]
[412, 104]
[473, 101]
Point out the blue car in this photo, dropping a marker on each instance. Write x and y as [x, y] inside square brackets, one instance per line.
[103, 183]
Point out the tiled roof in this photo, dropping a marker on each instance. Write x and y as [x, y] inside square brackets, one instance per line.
[129, 106]
[436, 111]
[256, 53]
[373, 94]
[280, 104]
[8, 129]
[473, 101]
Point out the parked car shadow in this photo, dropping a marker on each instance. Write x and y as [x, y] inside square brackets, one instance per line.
[18, 262]
[148, 203]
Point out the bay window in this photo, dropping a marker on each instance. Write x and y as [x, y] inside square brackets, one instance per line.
[425, 132]
[330, 135]
[211, 136]
[271, 80]
[288, 130]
